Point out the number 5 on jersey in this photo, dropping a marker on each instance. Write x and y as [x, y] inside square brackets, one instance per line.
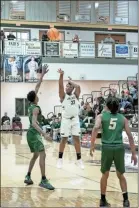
[113, 123]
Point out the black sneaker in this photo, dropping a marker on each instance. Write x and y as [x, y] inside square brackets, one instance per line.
[28, 180]
[104, 203]
[126, 203]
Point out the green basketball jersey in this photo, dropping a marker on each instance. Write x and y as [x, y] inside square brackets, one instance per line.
[30, 115]
[112, 128]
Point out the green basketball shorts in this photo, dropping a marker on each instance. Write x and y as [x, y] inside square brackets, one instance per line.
[35, 141]
[112, 154]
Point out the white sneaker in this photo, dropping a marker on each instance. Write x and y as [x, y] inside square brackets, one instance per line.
[80, 164]
[59, 163]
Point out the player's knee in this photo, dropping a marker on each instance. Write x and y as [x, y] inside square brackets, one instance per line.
[119, 175]
[35, 156]
[64, 140]
[105, 175]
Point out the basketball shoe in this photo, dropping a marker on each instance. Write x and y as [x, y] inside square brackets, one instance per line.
[28, 180]
[45, 184]
[104, 203]
[80, 164]
[60, 163]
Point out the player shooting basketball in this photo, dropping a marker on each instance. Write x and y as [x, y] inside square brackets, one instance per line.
[70, 124]
[113, 124]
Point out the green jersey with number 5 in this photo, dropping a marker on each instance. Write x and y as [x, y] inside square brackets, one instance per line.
[112, 128]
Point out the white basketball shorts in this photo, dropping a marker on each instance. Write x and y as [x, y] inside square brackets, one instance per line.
[70, 127]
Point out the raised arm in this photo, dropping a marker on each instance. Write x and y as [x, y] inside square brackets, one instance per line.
[131, 142]
[77, 88]
[95, 133]
[44, 71]
[61, 85]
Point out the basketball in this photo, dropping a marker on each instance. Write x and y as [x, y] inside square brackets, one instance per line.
[53, 34]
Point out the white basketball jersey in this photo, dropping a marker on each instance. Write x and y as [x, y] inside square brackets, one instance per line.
[70, 106]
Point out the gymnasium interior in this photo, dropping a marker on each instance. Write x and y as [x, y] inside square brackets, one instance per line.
[96, 44]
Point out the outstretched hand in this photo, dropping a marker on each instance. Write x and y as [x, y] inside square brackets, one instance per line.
[60, 71]
[45, 69]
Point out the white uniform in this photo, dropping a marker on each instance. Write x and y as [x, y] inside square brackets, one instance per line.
[33, 65]
[70, 124]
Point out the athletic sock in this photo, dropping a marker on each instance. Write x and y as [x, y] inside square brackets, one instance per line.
[60, 155]
[125, 196]
[43, 177]
[103, 197]
[78, 156]
[28, 174]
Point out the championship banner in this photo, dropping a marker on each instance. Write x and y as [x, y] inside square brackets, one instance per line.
[87, 50]
[30, 68]
[134, 51]
[13, 68]
[121, 51]
[2, 68]
[135, 136]
[32, 48]
[52, 49]
[104, 50]
[13, 47]
[70, 50]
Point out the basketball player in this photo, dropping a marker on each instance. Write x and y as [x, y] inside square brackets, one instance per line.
[14, 66]
[34, 133]
[70, 124]
[33, 66]
[113, 124]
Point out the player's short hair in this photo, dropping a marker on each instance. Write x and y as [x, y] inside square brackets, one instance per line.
[31, 96]
[113, 104]
[70, 85]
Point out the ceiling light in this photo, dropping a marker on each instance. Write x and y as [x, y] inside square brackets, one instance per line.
[96, 5]
[14, 2]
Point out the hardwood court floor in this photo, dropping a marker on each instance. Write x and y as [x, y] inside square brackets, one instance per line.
[74, 187]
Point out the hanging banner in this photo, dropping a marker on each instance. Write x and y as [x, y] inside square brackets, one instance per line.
[52, 49]
[104, 50]
[134, 51]
[13, 68]
[32, 68]
[121, 51]
[135, 136]
[87, 50]
[13, 47]
[70, 50]
[32, 48]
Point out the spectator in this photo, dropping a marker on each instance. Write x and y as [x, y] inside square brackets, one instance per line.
[11, 36]
[44, 39]
[16, 122]
[45, 36]
[125, 102]
[56, 129]
[2, 37]
[101, 99]
[5, 120]
[84, 112]
[109, 39]
[59, 116]
[75, 39]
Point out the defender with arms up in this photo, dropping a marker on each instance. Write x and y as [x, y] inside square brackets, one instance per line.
[113, 124]
[34, 133]
[70, 124]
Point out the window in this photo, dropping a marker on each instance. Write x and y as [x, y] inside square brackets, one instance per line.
[17, 10]
[21, 106]
[83, 11]
[102, 11]
[19, 34]
[121, 12]
[63, 10]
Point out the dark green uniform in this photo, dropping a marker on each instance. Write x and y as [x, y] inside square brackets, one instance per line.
[112, 142]
[34, 138]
